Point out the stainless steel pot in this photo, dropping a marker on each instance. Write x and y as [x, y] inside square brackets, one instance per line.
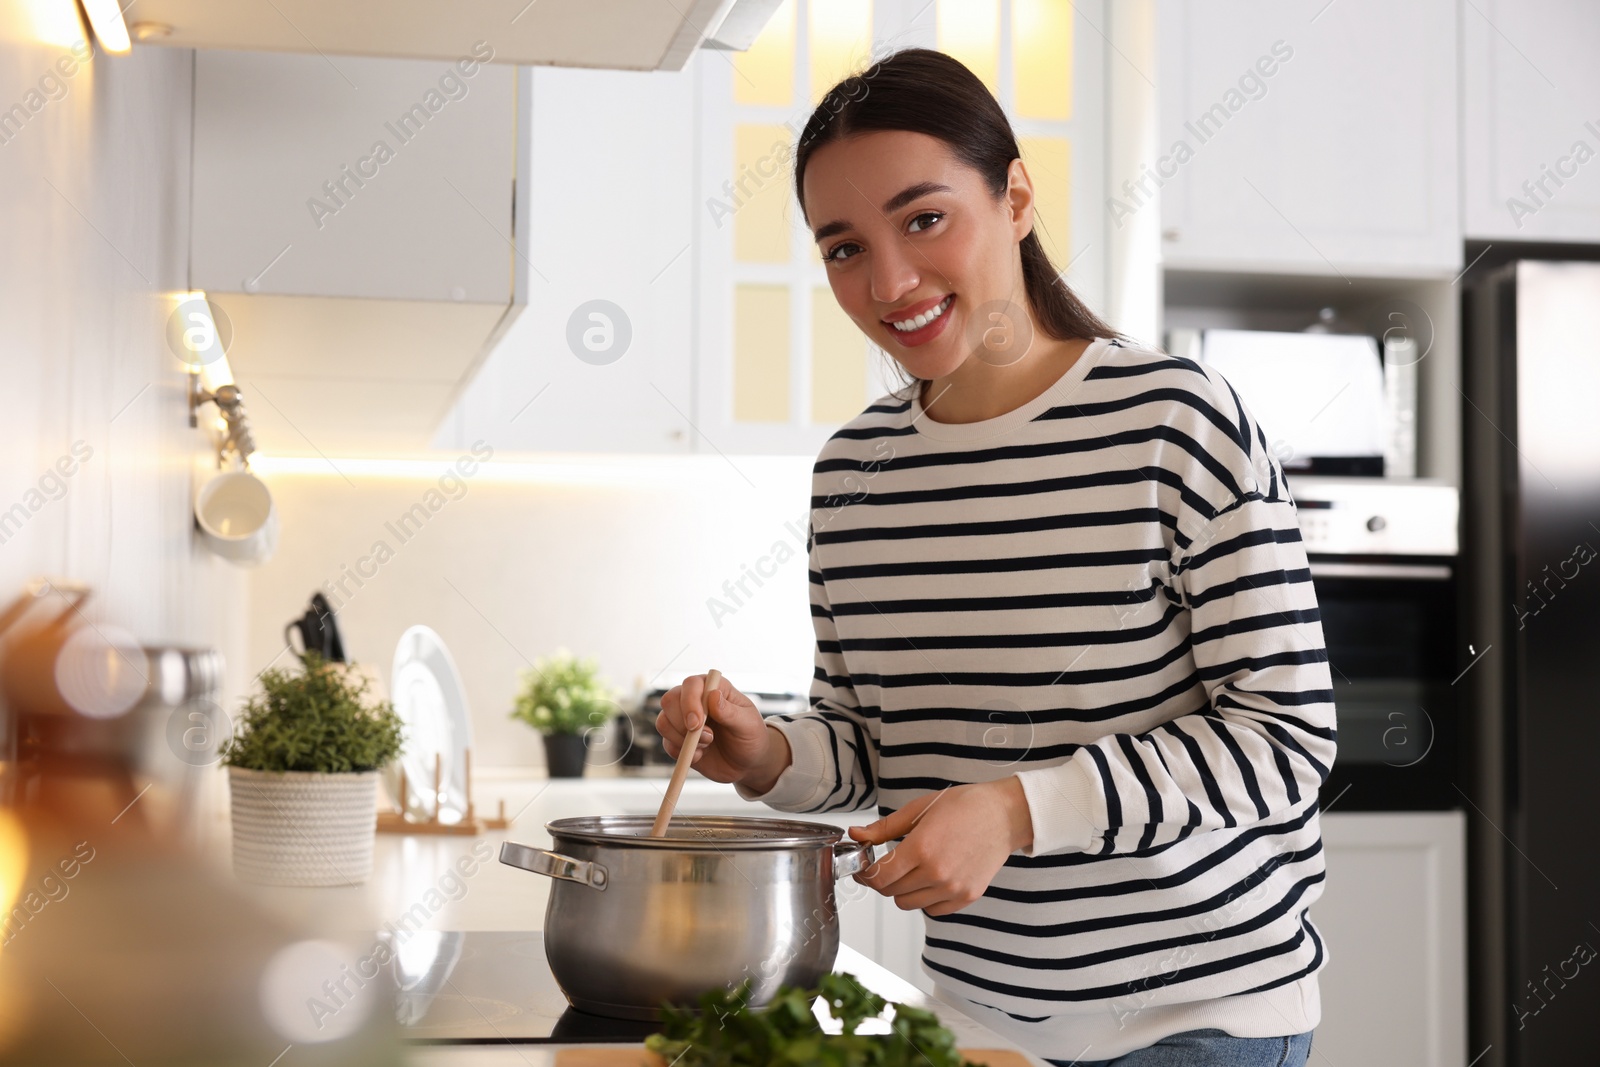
[636, 921]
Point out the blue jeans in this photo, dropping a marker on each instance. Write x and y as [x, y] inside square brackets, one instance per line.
[1210, 1048]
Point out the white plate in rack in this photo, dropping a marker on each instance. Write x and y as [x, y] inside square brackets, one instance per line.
[430, 699]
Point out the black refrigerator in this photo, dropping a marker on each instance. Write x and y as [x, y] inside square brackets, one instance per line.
[1531, 555]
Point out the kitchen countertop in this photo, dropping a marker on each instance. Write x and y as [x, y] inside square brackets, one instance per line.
[416, 877]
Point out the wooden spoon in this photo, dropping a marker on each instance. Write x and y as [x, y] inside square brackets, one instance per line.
[680, 770]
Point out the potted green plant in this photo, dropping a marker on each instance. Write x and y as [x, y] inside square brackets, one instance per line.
[563, 698]
[303, 775]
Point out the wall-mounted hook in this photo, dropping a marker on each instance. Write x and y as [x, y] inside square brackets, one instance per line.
[230, 405]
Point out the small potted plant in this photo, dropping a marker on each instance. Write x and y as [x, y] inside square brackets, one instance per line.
[303, 775]
[563, 698]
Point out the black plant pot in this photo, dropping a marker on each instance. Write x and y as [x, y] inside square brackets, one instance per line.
[564, 755]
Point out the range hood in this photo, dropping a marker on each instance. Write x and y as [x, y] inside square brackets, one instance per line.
[612, 34]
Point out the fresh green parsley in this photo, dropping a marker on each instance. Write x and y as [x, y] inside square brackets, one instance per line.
[728, 1032]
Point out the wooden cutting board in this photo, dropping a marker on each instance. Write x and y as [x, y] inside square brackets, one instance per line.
[633, 1056]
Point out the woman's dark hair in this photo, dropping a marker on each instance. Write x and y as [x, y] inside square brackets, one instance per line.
[925, 91]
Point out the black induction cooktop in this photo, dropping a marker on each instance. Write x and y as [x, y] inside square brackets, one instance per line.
[492, 988]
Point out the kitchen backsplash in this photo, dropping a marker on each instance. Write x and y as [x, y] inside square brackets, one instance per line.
[657, 568]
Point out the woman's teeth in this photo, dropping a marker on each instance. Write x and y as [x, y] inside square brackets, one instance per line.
[919, 321]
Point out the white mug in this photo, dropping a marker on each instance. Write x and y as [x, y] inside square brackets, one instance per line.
[237, 518]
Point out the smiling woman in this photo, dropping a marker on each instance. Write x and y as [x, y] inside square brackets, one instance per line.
[937, 188]
[1066, 639]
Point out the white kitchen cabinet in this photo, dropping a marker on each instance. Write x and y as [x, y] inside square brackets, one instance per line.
[601, 360]
[669, 197]
[1393, 918]
[356, 221]
[1530, 133]
[353, 177]
[1306, 136]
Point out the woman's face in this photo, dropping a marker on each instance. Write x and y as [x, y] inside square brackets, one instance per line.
[904, 228]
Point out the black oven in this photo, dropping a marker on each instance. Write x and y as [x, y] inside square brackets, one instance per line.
[1390, 627]
[1383, 561]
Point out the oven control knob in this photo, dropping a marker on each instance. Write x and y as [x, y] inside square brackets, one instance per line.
[1377, 523]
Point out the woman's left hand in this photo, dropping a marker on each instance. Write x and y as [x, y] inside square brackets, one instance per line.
[955, 841]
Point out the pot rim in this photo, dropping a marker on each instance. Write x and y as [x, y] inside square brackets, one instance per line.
[633, 831]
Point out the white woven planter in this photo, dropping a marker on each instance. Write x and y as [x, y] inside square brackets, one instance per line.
[299, 828]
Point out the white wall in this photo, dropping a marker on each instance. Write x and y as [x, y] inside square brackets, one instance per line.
[94, 207]
[618, 566]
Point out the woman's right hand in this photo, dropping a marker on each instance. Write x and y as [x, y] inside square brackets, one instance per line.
[736, 744]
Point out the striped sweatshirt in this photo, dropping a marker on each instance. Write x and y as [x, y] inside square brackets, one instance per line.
[1104, 593]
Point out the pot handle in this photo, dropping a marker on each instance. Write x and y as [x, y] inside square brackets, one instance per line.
[554, 865]
[852, 857]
